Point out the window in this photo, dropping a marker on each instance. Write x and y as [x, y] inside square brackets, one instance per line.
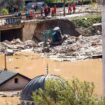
[16, 80]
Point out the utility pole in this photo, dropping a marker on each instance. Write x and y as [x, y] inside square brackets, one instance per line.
[64, 7]
[103, 39]
[47, 70]
[5, 62]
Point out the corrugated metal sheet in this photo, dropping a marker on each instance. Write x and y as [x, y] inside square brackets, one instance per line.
[33, 85]
[36, 83]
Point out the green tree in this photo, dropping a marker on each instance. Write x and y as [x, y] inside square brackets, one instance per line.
[63, 93]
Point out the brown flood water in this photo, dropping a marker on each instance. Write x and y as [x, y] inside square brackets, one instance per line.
[31, 65]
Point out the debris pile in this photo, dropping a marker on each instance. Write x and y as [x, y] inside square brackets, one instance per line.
[73, 48]
[77, 48]
[16, 45]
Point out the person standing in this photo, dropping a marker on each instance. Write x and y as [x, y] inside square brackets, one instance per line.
[31, 14]
[49, 10]
[69, 9]
[52, 11]
[55, 10]
[46, 11]
[74, 7]
[35, 7]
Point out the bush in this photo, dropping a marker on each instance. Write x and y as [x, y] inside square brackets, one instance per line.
[86, 21]
[4, 11]
[74, 93]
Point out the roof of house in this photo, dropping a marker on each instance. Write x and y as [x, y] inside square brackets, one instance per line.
[7, 75]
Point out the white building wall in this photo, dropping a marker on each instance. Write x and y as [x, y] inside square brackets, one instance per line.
[11, 85]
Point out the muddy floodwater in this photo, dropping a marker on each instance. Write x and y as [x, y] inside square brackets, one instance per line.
[31, 65]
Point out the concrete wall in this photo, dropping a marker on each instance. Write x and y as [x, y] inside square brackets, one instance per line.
[11, 85]
[28, 30]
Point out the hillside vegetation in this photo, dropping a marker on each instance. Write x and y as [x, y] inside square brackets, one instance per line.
[86, 21]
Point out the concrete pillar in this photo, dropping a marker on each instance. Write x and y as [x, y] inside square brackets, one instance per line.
[103, 38]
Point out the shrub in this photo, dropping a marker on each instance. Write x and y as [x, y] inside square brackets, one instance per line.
[73, 93]
[4, 11]
[86, 21]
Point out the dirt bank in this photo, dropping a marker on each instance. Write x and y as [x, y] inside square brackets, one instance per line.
[34, 29]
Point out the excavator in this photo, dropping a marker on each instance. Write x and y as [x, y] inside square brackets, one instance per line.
[53, 37]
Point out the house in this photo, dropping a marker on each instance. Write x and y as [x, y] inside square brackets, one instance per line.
[12, 81]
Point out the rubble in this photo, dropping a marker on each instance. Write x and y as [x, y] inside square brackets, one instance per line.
[16, 45]
[80, 48]
[73, 48]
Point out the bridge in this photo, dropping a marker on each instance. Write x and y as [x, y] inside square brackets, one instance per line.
[12, 26]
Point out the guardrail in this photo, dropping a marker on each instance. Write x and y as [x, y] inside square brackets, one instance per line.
[9, 19]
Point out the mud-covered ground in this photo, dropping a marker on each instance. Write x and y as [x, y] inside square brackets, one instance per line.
[31, 65]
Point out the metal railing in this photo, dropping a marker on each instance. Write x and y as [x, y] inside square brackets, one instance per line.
[7, 20]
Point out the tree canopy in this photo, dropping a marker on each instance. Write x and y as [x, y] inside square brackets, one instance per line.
[73, 93]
